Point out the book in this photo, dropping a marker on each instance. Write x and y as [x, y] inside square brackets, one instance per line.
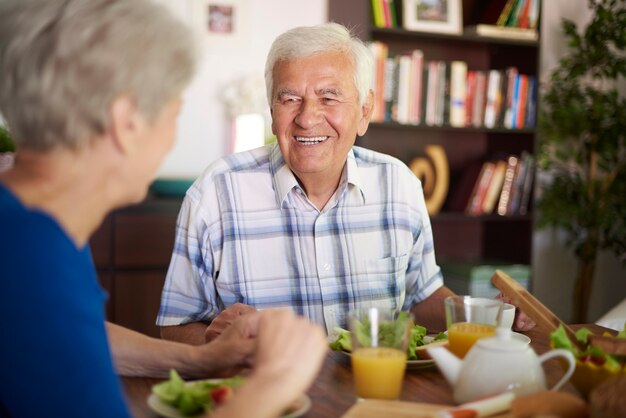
[493, 99]
[520, 108]
[404, 89]
[511, 77]
[527, 188]
[506, 11]
[417, 86]
[478, 106]
[531, 102]
[431, 92]
[495, 187]
[507, 186]
[506, 32]
[443, 91]
[518, 184]
[470, 91]
[475, 202]
[458, 80]
[377, 14]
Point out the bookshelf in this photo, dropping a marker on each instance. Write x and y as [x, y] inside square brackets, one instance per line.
[458, 236]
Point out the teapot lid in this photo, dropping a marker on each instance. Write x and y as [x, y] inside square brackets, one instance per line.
[502, 341]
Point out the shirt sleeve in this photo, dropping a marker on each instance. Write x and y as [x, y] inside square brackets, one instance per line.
[189, 291]
[423, 276]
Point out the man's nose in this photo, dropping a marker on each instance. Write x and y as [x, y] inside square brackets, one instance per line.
[310, 114]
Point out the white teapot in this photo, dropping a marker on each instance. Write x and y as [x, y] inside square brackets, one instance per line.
[495, 365]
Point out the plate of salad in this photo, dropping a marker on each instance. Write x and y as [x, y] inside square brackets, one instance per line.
[417, 356]
[601, 358]
[176, 398]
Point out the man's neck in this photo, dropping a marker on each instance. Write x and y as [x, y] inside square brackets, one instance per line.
[320, 187]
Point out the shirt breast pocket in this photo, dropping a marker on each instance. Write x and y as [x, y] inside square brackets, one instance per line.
[382, 282]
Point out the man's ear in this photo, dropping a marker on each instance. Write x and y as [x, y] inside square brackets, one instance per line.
[125, 123]
[366, 113]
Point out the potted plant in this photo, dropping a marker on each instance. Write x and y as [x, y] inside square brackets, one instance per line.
[582, 147]
[7, 148]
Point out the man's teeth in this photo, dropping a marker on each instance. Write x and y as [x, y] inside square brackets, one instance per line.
[311, 140]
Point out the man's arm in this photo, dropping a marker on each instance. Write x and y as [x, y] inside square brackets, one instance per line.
[135, 354]
[430, 312]
[191, 333]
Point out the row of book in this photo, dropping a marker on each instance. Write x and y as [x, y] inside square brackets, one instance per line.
[384, 13]
[412, 90]
[502, 186]
[517, 20]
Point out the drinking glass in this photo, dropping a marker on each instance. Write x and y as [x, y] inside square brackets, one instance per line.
[380, 340]
[468, 319]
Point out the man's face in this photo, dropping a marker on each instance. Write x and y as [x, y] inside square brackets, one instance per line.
[316, 113]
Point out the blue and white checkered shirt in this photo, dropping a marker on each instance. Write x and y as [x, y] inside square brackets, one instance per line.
[247, 233]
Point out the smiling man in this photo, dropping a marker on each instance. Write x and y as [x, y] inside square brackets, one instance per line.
[312, 223]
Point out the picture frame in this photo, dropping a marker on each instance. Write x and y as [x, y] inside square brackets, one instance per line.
[437, 16]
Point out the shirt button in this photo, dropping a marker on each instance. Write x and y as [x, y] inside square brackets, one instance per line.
[326, 267]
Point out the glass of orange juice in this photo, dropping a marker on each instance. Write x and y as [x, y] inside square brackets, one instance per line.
[469, 319]
[380, 340]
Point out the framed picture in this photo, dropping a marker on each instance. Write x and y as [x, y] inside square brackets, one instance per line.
[441, 16]
[222, 24]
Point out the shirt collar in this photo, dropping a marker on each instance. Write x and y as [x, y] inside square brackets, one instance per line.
[284, 180]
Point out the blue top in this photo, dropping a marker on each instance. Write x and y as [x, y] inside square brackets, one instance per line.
[54, 354]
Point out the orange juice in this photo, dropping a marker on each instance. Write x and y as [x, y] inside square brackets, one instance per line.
[463, 335]
[378, 372]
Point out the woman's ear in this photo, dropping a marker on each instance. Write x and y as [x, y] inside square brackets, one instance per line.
[125, 123]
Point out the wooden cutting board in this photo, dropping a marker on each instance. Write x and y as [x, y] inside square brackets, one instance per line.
[373, 408]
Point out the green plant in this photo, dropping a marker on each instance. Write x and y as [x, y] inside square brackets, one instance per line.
[6, 143]
[583, 144]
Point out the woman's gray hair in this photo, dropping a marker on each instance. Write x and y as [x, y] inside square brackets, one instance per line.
[304, 41]
[63, 63]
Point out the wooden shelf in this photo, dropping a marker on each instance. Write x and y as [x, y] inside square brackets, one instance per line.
[457, 235]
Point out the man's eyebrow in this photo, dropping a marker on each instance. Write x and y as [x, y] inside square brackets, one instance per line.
[329, 90]
[285, 92]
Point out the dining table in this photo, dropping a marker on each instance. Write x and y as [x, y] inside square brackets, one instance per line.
[332, 393]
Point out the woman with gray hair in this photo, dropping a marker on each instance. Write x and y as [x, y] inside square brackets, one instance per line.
[90, 90]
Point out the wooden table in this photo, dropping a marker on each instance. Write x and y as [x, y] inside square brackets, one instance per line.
[332, 394]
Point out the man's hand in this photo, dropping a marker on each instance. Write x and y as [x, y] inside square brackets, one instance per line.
[221, 322]
[522, 321]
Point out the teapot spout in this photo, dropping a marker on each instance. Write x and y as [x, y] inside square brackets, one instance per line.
[448, 363]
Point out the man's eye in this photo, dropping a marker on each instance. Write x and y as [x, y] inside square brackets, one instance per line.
[329, 100]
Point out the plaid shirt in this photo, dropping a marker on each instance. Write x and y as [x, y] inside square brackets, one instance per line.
[247, 233]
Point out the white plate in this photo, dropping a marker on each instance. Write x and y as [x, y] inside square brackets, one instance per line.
[520, 337]
[299, 408]
[410, 364]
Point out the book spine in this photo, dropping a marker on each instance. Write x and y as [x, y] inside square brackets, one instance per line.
[527, 189]
[507, 186]
[495, 187]
[493, 86]
[478, 107]
[475, 203]
[458, 79]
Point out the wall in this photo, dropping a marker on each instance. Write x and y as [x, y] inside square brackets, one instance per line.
[554, 267]
[204, 125]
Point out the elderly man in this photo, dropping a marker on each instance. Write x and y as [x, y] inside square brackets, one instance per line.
[313, 223]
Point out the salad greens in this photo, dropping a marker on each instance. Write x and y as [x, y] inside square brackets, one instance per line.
[194, 397]
[388, 334]
[596, 355]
